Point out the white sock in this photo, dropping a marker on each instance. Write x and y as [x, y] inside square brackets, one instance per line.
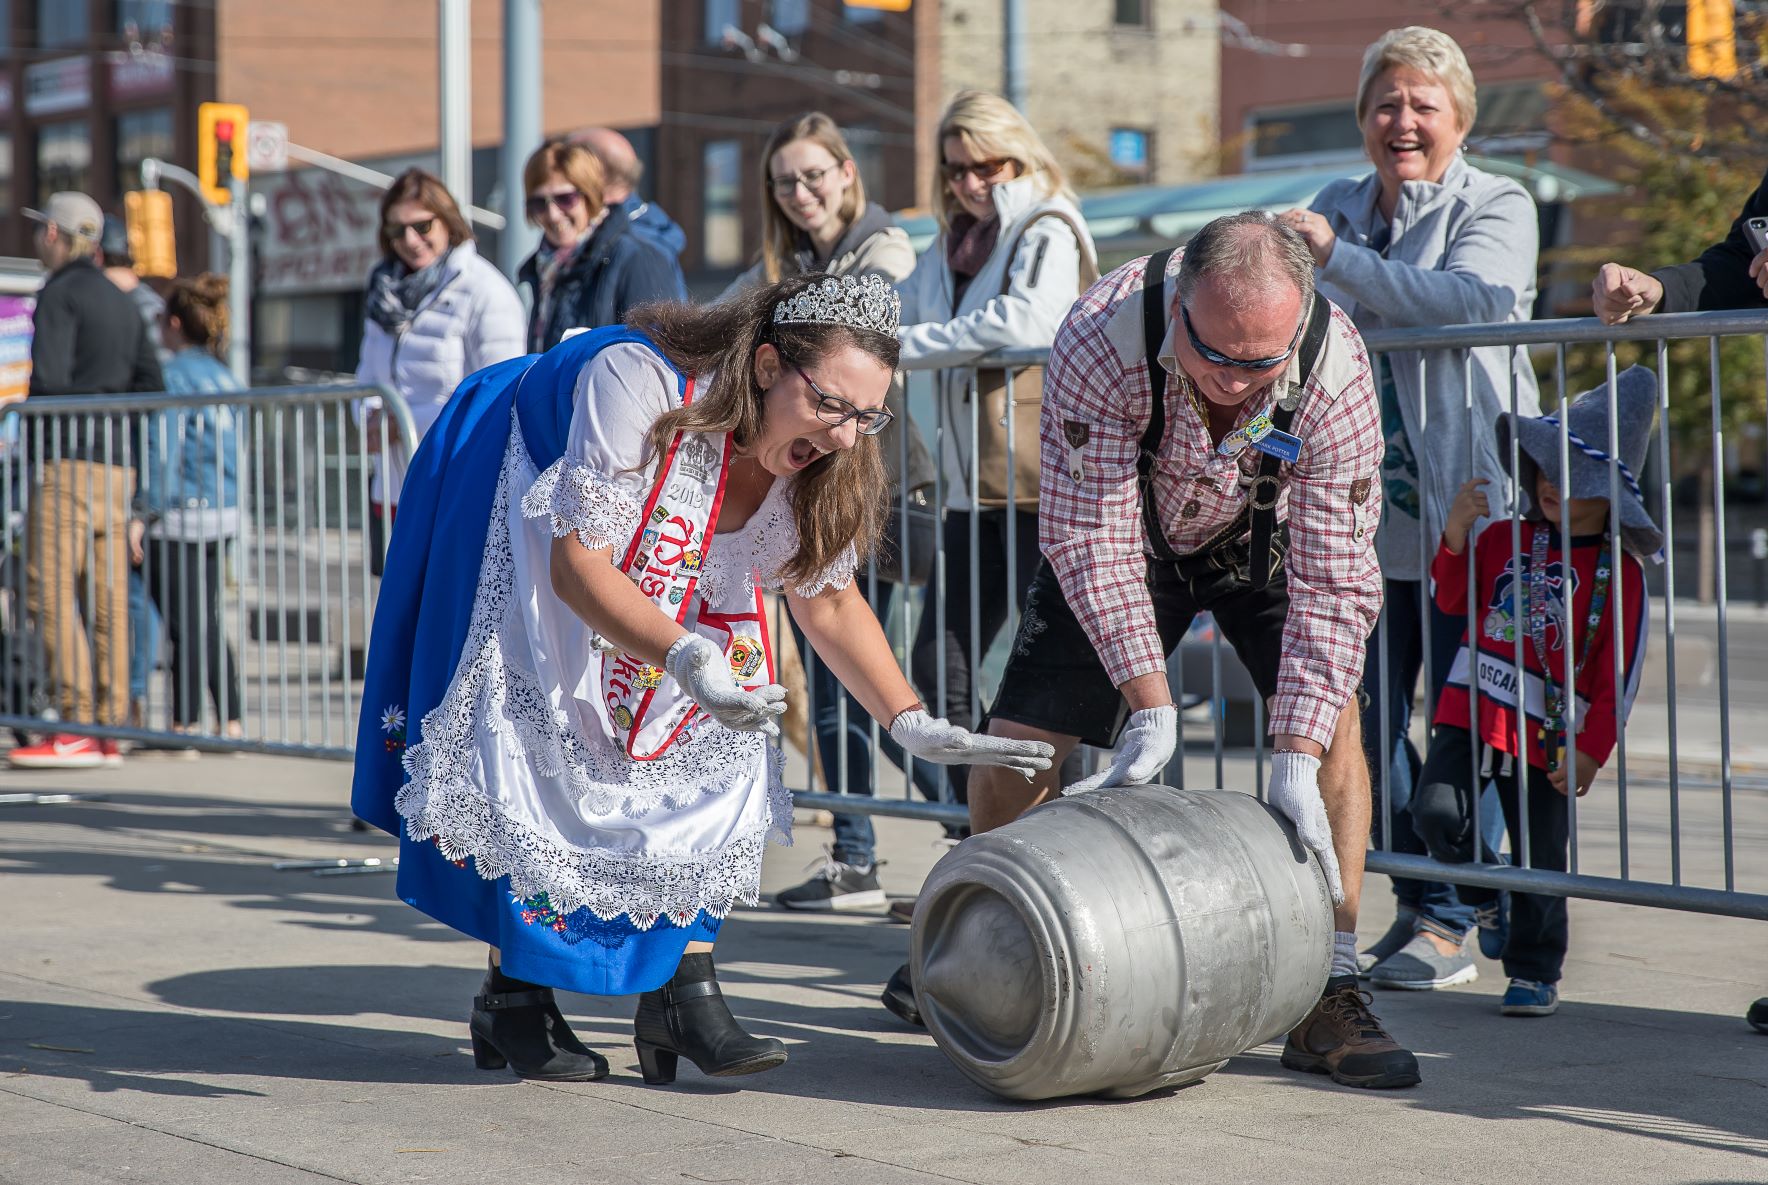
[1344, 953]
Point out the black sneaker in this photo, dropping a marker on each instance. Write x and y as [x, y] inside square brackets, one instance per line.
[899, 996]
[837, 885]
[1758, 1015]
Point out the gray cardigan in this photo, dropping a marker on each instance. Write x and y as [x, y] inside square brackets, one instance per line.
[1461, 252]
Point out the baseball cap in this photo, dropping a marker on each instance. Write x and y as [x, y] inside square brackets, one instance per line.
[74, 212]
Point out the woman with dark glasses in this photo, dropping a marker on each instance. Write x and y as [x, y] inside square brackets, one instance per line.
[589, 269]
[1012, 254]
[434, 312]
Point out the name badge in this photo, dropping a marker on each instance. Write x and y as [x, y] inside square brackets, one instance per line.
[1279, 444]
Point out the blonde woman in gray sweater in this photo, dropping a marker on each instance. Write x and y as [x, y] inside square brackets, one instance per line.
[1426, 239]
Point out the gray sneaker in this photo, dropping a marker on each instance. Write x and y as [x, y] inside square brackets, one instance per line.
[1398, 935]
[837, 886]
[1420, 967]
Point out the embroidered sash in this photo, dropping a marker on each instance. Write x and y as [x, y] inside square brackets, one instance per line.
[649, 710]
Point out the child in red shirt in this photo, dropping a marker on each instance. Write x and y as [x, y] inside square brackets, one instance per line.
[1554, 744]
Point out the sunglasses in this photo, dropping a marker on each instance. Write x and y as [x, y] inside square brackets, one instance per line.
[396, 230]
[985, 170]
[566, 202]
[835, 411]
[811, 179]
[1217, 358]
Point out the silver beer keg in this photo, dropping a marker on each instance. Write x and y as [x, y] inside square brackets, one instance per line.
[1120, 941]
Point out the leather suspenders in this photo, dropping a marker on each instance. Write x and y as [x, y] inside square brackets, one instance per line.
[1262, 497]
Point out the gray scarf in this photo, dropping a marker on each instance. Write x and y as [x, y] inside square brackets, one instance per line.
[395, 291]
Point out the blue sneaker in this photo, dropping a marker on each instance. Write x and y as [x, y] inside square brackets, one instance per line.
[1527, 997]
[1493, 922]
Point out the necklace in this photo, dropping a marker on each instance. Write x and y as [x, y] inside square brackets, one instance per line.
[1536, 579]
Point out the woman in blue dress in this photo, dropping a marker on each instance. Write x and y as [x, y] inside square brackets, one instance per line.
[570, 688]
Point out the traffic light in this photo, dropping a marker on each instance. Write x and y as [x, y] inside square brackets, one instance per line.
[220, 148]
[886, 5]
[152, 244]
[1712, 39]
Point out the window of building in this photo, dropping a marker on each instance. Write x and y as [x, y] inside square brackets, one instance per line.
[722, 220]
[867, 146]
[141, 134]
[145, 22]
[1324, 134]
[860, 15]
[719, 15]
[1132, 14]
[791, 17]
[64, 158]
[5, 24]
[61, 22]
[1132, 151]
[6, 202]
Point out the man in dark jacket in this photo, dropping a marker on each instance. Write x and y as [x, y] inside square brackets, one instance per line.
[622, 171]
[87, 338]
[1731, 274]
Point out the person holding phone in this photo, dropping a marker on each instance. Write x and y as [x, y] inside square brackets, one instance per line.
[1731, 274]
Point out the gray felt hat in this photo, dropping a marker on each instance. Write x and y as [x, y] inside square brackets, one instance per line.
[1537, 438]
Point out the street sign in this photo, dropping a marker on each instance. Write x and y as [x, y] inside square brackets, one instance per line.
[267, 146]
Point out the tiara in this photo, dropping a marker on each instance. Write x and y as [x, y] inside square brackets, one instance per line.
[866, 302]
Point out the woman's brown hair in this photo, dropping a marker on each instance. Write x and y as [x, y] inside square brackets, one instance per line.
[200, 304]
[574, 163]
[838, 499]
[778, 235]
[427, 190]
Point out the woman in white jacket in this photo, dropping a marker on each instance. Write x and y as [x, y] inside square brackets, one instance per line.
[1012, 255]
[434, 313]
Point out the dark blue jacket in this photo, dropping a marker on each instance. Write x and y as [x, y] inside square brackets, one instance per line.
[613, 272]
[652, 224]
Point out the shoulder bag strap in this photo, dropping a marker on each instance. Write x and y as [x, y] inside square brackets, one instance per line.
[1265, 486]
[1153, 333]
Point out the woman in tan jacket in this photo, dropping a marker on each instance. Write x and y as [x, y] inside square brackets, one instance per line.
[817, 219]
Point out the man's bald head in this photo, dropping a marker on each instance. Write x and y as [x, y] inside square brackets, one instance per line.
[620, 163]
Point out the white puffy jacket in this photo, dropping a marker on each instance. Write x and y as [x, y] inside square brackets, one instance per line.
[1041, 276]
[473, 319]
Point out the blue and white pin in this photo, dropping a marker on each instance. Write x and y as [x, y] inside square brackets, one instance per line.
[1261, 434]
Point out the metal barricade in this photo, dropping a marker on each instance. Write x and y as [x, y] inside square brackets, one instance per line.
[258, 546]
[1661, 829]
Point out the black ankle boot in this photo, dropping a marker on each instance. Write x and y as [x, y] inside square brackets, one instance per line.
[687, 1017]
[518, 1024]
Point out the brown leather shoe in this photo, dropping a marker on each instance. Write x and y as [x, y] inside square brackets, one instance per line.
[1341, 1037]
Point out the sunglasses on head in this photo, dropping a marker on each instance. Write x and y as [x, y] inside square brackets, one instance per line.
[423, 226]
[985, 170]
[1217, 358]
[835, 411]
[567, 203]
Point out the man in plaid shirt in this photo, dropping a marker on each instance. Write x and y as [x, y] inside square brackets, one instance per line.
[1105, 609]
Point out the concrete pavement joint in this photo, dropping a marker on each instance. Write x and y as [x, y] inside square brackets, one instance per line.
[181, 1136]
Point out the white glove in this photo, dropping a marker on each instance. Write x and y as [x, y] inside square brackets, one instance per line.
[1147, 745]
[1295, 790]
[947, 744]
[704, 673]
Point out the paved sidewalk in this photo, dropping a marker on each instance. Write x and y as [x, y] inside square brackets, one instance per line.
[172, 1010]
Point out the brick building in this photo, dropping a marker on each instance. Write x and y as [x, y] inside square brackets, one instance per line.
[733, 70]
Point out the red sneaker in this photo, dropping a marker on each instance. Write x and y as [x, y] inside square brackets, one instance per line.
[61, 751]
[112, 752]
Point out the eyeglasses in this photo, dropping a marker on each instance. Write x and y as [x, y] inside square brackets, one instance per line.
[985, 170]
[811, 179]
[835, 411]
[567, 203]
[1216, 358]
[396, 230]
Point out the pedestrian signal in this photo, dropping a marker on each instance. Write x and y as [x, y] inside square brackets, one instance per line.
[886, 5]
[152, 244]
[1712, 39]
[220, 148]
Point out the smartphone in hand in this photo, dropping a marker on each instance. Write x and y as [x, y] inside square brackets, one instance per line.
[1756, 231]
